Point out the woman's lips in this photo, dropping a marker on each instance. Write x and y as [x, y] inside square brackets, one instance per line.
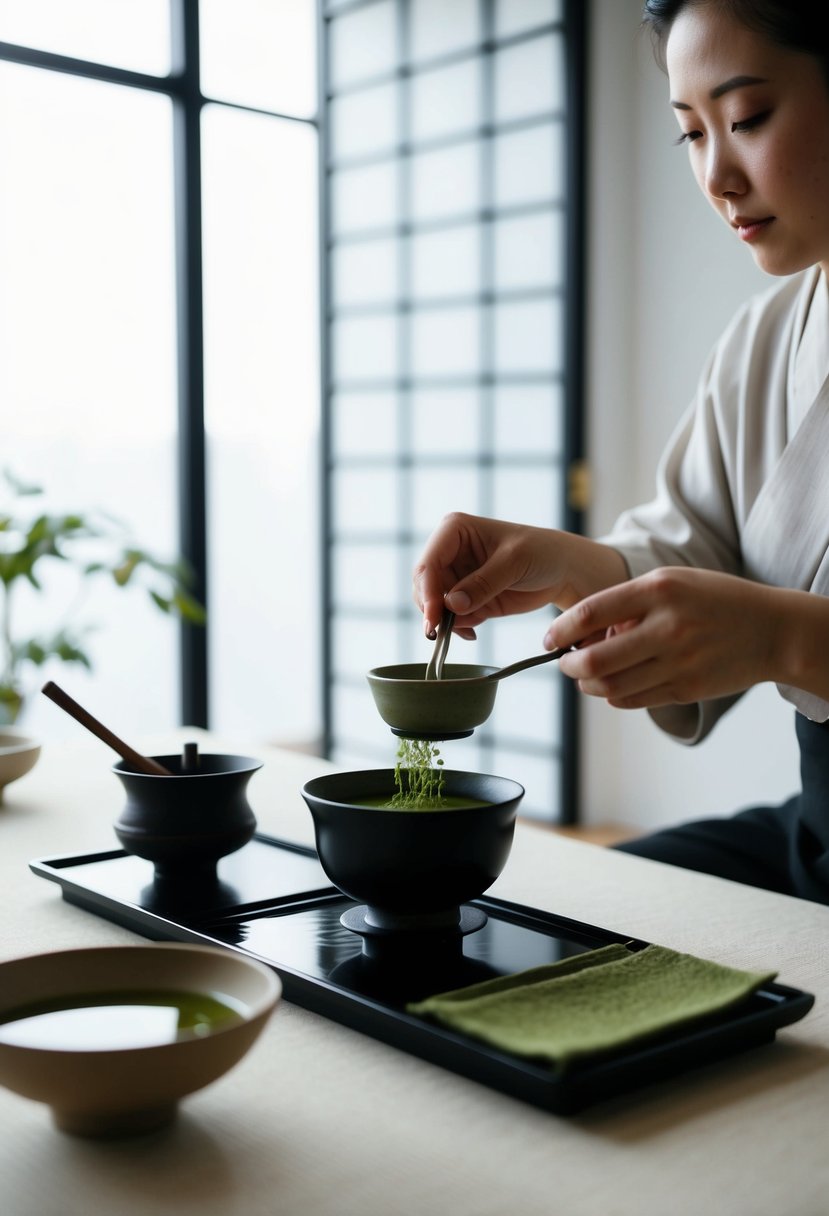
[748, 229]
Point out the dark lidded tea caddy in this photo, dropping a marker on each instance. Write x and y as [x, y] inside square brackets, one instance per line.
[185, 822]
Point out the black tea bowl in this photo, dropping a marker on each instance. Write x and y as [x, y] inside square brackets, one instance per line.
[412, 868]
[185, 822]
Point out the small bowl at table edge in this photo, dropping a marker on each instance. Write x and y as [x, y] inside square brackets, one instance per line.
[108, 1093]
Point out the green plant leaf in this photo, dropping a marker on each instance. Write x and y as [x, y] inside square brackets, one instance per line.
[39, 530]
[70, 653]
[123, 572]
[75, 523]
[189, 608]
[172, 570]
[90, 543]
[61, 645]
[35, 653]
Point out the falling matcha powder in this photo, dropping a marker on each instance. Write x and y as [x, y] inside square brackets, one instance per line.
[418, 776]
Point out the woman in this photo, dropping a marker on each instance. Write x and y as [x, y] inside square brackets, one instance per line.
[721, 582]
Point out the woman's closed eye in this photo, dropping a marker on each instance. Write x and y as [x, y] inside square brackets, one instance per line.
[745, 125]
[749, 124]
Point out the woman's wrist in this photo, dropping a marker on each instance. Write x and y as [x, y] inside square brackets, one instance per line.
[589, 566]
[800, 645]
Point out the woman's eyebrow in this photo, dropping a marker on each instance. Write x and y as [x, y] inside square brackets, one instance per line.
[736, 82]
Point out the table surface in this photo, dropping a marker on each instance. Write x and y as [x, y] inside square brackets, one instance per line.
[320, 1119]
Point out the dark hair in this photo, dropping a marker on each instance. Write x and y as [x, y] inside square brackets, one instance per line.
[798, 25]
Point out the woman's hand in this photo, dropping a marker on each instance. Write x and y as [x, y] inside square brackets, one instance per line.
[481, 568]
[671, 637]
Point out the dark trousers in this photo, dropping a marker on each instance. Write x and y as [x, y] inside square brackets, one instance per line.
[781, 848]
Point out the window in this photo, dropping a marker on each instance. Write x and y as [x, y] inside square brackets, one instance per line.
[160, 167]
[451, 139]
[160, 345]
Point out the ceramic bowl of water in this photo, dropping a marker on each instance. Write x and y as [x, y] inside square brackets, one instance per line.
[412, 866]
[18, 754]
[111, 1038]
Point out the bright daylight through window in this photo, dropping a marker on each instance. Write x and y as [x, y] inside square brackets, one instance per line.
[89, 344]
[281, 329]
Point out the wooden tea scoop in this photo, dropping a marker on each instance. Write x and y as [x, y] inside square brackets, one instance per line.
[142, 763]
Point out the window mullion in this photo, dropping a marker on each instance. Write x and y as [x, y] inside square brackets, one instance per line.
[191, 438]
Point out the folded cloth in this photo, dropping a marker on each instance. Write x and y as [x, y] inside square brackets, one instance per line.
[594, 1002]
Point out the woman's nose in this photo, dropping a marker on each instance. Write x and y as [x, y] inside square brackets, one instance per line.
[723, 174]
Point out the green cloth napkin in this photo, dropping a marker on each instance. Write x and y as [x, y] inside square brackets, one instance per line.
[594, 1002]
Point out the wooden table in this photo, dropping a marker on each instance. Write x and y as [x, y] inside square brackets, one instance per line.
[321, 1119]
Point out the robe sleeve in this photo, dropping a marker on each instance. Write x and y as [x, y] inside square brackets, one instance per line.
[691, 521]
[726, 498]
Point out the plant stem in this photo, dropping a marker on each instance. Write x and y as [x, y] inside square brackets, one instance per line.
[8, 650]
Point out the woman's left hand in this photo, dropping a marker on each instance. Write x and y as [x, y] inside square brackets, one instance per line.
[670, 637]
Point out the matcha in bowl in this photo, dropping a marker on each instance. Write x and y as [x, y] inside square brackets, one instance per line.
[412, 865]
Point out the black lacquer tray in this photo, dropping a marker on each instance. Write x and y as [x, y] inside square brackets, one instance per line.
[274, 903]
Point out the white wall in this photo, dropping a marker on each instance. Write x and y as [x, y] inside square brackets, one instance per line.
[665, 276]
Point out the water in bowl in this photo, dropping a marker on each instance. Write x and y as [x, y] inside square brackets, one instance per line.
[118, 1021]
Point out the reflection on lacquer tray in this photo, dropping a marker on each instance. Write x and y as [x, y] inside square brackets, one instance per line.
[313, 941]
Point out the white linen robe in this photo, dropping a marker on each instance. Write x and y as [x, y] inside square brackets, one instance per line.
[743, 486]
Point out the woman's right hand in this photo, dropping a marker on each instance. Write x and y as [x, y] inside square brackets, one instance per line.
[480, 568]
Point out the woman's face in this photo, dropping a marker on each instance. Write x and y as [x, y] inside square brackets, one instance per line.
[755, 118]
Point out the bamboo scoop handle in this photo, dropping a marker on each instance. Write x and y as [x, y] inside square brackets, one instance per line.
[143, 763]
